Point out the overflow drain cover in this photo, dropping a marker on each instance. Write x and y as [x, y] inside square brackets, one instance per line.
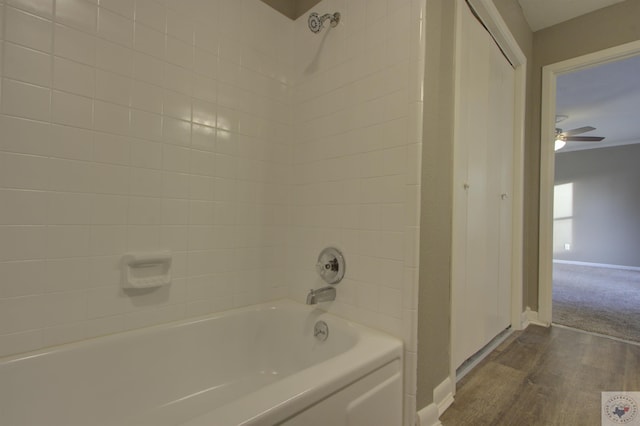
[321, 331]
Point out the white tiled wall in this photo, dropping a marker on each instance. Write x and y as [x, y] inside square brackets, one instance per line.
[356, 162]
[218, 129]
[135, 125]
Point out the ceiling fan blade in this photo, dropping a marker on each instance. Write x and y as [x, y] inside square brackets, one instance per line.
[583, 138]
[578, 131]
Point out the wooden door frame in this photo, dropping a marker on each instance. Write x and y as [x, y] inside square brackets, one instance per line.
[490, 16]
[547, 161]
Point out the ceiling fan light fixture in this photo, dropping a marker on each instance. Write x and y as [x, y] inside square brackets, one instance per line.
[570, 135]
[559, 144]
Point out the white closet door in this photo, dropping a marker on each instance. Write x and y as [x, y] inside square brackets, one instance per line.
[482, 157]
[501, 103]
[502, 98]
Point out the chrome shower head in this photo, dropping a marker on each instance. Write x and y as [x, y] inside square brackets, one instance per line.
[316, 22]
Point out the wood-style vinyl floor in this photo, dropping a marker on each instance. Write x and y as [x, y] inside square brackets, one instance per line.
[545, 376]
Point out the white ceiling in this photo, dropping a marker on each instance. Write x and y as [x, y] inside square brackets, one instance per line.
[545, 13]
[606, 97]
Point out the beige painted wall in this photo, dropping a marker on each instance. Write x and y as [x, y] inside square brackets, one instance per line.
[605, 205]
[602, 29]
[511, 12]
[434, 303]
[434, 312]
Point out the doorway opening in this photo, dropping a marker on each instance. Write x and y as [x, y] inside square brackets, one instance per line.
[589, 272]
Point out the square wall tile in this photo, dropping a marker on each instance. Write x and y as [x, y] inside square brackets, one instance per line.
[71, 143]
[151, 14]
[21, 314]
[149, 41]
[179, 52]
[72, 110]
[115, 28]
[114, 57]
[43, 8]
[80, 14]
[109, 210]
[123, 8]
[22, 243]
[112, 87]
[146, 96]
[111, 118]
[176, 132]
[23, 278]
[146, 125]
[74, 77]
[21, 207]
[25, 100]
[28, 30]
[148, 69]
[71, 176]
[179, 26]
[27, 65]
[75, 45]
[114, 149]
[66, 208]
[24, 136]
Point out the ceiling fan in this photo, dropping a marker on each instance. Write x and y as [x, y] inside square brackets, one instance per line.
[563, 137]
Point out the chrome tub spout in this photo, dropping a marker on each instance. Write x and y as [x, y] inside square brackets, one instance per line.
[324, 294]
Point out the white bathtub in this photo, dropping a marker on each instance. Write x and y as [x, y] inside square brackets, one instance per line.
[259, 365]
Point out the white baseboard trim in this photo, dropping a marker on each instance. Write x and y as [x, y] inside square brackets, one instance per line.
[428, 416]
[529, 317]
[598, 265]
[442, 399]
[443, 395]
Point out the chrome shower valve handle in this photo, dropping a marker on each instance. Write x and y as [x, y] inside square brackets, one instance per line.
[331, 265]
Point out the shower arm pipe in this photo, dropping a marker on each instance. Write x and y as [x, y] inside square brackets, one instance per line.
[335, 18]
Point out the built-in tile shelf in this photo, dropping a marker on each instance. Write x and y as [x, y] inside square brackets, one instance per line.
[292, 9]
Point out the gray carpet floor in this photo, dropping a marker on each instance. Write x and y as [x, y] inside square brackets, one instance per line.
[600, 300]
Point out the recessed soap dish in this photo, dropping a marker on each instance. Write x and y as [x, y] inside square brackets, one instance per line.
[146, 269]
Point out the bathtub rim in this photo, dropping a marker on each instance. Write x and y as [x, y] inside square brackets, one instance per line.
[283, 398]
[294, 394]
[132, 333]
